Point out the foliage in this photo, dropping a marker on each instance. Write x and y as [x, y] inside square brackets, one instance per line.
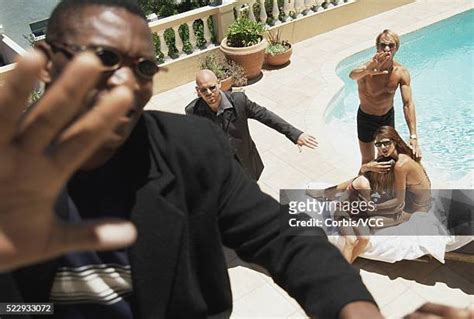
[277, 48]
[170, 40]
[275, 44]
[149, 6]
[166, 8]
[224, 68]
[244, 32]
[183, 31]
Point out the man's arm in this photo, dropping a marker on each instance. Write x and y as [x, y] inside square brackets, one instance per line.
[272, 120]
[409, 110]
[39, 151]
[309, 268]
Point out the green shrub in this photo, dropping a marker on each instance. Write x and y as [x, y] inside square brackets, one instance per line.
[244, 32]
[277, 48]
[170, 42]
[183, 31]
[166, 8]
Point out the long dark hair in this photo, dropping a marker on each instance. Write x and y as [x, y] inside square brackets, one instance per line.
[385, 182]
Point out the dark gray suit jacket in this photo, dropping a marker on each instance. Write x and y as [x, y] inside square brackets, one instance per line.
[235, 125]
[187, 198]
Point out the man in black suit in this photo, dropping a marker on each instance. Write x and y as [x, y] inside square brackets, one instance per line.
[231, 112]
[152, 169]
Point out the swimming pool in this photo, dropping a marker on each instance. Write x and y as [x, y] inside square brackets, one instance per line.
[440, 59]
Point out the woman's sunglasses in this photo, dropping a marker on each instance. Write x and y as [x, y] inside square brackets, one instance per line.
[383, 143]
[110, 58]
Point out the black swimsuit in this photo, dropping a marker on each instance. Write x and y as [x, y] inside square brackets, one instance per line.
[367, 124]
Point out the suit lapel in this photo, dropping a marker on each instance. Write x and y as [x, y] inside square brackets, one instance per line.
[159, 223]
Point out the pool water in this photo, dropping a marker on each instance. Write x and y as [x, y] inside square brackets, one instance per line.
[440, 59]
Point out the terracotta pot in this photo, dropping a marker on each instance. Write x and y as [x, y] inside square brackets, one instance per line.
[279, 59]
[226, 84]
[250, 58]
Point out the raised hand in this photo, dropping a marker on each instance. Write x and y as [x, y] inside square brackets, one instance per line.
[39, 151]
[378, 64]
[377, 167]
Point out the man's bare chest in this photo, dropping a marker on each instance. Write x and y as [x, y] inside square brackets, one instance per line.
[382, 85]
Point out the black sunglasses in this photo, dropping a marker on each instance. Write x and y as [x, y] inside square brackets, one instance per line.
[111, 59]
[383, 45]
[212, 88]
[384, 143]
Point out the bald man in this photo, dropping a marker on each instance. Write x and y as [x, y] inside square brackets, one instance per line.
[231, 111]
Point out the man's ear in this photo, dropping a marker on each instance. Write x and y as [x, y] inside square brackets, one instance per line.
[197, 91]
[45, 48]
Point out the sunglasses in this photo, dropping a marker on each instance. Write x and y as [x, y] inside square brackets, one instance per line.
[382, 45]
[211, 88]
[110, 58]
[383, 143]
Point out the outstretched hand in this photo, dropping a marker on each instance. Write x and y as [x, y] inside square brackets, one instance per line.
[379, 63]
[39, 151]
[307, 140]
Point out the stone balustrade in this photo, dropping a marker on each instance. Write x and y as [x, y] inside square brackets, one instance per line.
[283, 10]
[183, 34]
[182, 40]
[190, 32]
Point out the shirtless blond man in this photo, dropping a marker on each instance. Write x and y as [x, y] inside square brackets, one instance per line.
[377, 81]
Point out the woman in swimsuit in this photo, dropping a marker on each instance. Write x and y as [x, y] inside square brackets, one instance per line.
[405, 189]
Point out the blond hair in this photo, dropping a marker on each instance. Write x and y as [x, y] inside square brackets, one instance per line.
[390, 34]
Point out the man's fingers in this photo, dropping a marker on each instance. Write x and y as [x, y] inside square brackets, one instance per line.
[419, 315]
[312, 143]
[102, 235]
[431, 310]
[79, 141]
[383, 167]
[16, 91]
[61, 103]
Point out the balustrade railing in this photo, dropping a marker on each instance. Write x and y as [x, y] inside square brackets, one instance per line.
[184, 34]
[199, 29]
[278, 11]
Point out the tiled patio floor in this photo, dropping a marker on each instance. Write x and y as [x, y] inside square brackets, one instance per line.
[299, 93]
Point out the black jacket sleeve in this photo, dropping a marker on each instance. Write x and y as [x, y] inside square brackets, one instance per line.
[309, 268]
[268, 118]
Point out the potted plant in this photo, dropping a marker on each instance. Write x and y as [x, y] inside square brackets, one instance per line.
[228, 72]
[278, 52]
[245, 44]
